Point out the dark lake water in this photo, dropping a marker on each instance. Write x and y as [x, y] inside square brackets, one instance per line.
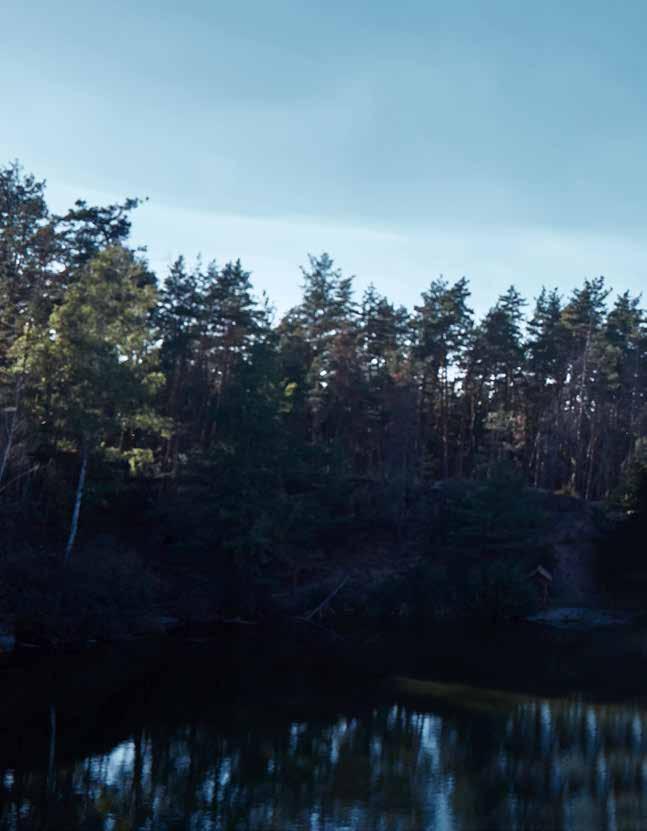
[181, 753]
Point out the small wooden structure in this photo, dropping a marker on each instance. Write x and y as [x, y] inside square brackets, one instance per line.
[542, 578]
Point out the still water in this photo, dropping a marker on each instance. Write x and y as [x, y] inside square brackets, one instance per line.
[428, 756]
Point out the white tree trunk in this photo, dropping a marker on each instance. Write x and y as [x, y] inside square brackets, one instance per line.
[77, 505]
[9, 445]
[12, 430]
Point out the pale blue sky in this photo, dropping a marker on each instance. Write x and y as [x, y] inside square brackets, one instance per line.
[505, 141]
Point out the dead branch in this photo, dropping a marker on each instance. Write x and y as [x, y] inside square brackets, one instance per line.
[326, 601]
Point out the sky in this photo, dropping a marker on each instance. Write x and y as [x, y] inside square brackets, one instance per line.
[500, 140]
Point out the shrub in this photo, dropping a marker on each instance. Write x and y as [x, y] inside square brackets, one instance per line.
[100, 594]
[499, 589]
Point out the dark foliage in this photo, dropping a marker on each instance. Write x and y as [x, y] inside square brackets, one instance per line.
[241, 455]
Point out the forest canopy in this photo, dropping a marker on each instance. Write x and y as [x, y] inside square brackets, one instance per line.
[183, 394]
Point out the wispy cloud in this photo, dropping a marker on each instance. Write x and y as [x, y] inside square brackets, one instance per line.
[400, 262]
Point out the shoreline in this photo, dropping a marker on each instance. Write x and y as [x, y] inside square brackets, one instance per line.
[521, 656]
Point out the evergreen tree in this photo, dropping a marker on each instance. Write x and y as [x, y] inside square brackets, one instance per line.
[441, 328]
[326, 314]
[384, 346]
[494, 381]
[231, 321]
[546, 372]
[178, 318]
[28, 249]
[583, 318]
[92, 371]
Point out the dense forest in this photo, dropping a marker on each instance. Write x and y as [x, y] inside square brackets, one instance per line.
[178, 413]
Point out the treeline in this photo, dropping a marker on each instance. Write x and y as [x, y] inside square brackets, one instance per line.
[249, 432]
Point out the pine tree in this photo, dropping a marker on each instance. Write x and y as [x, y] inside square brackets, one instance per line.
[494, 380]
[583, 318]
[441, 327]
[230, 323]
[325, 318]
[546, 371]
[177, 317]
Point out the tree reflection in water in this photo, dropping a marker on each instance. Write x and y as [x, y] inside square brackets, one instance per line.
[525, 764]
